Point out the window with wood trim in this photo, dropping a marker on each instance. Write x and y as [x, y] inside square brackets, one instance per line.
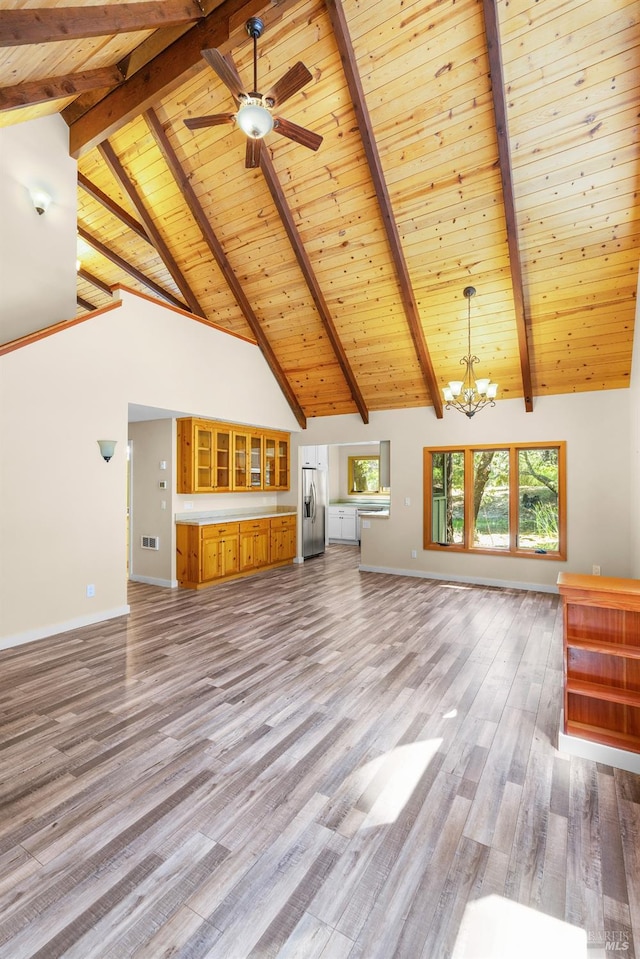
[501, 499]
[364, 475]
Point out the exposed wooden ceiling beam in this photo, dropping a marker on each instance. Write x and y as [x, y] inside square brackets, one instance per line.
[112, 206]
[99, 284]
[43, 25]
[137, 58]
[168, 70]
[277, 194]
[220, 257]
[352, 76]
[54, 88]
[131, 270]
[492, 32]
[122, 178]
[85, 304]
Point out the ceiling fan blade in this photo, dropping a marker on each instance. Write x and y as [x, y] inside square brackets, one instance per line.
[225, 70]
[293, 132]
[293, 80]
[252, 158]
[215, 120]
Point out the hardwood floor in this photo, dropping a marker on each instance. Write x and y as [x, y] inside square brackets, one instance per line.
[313, 762]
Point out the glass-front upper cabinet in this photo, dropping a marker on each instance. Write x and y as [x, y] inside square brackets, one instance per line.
[282, 446]
[269, 462]
[256, 461]
[203, 442]
[240, 461]
[247, 461]
[223, 458]
[218, 457]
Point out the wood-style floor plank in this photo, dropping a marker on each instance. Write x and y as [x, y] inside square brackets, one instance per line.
[314, 763]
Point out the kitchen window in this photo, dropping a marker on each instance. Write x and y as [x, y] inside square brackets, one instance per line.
[507, 499]
[364, 475]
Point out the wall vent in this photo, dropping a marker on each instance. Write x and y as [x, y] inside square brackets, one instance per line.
[150, 542]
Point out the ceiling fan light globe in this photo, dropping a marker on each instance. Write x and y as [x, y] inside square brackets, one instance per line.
[254, 119]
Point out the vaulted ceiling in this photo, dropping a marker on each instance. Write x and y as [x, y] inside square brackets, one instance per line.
[464, 142]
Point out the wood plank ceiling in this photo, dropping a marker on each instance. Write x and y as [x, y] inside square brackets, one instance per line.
[478, 142]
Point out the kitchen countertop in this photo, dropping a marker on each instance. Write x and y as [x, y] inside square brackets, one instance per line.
[361, 505]
[234, 515]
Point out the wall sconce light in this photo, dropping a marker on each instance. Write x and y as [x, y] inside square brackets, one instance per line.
[107, 448]
[41, 200]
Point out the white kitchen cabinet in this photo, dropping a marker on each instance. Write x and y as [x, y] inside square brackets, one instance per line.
[316, 456]
[342, 523]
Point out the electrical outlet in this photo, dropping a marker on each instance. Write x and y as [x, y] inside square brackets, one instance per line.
[595, 570]
[407, 501]
[163, 504]
[91, 591]
[414, 554]
[188, 505]
[163, 464]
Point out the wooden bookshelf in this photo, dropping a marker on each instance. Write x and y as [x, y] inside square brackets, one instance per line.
[602, 659]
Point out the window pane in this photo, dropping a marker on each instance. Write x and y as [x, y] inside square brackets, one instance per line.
[538, 499]
[447, 497]
[365, 474]
[491, 499]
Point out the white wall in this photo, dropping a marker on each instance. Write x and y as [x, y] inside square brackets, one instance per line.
[37, 253]
[634, 506]
[62, 508]
[596, 427]
[152, 442]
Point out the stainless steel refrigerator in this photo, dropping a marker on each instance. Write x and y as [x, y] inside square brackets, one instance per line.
[314, 501]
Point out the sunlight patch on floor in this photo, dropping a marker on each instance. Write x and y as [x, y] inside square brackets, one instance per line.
[395, 775]
[498, 928]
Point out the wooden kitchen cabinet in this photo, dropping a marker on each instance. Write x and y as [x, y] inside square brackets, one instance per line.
[219, 555]
[254, 544]
[276, 461]
[220, 458]
[205, 553]
[283, 538]
[247, 460]
[602, 659]
[204, 456]
[217, 551]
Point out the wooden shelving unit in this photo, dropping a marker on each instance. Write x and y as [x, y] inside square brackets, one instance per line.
[602, 659]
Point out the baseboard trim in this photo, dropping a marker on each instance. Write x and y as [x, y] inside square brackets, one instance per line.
[154, 581]
[597, 752]
[470, 580]
[43, 632]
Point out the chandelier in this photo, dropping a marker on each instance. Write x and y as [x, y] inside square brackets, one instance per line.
[469, 394]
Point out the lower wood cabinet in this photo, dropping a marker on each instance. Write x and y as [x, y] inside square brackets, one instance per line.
[254, 544]
[208, 554]
[283, 539]
[219, 551]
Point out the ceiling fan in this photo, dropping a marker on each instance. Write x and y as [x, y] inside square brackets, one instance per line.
[255, 110]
